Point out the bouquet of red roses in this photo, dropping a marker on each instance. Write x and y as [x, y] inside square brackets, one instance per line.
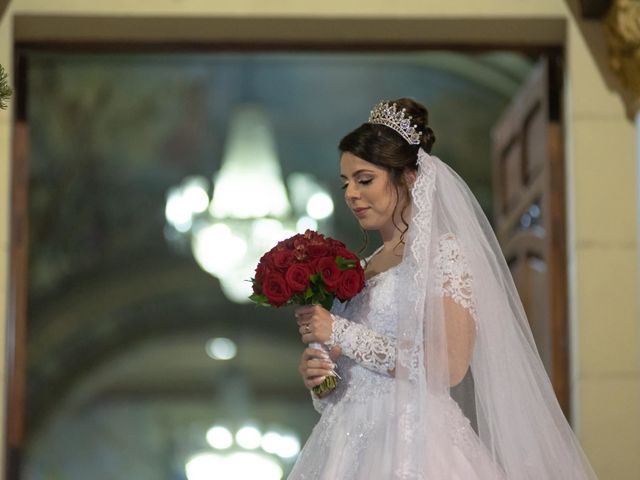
[307, 269]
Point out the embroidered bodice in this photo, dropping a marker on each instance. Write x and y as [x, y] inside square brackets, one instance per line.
[365, 326]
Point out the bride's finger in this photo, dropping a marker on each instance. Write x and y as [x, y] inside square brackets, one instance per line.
[310, 338]
[313, 382]
[323, 368]
[335, 353]
[320, 363]
[305, 329]
[303, 310]
[310, 353]
[316, 372]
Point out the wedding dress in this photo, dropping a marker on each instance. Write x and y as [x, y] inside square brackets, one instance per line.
[393, 415]
[353, 438]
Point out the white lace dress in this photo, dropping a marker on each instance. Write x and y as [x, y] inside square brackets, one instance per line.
[352, 439]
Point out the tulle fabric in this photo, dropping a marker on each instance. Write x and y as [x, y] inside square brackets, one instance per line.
[452, 263]
[355, 437]
[354, 441]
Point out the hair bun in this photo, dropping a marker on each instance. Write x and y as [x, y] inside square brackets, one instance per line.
[427, 139]
[420, 117]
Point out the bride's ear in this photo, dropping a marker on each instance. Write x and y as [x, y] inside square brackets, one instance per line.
[410, 176]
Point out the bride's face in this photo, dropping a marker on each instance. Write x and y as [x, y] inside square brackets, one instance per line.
[369, 192]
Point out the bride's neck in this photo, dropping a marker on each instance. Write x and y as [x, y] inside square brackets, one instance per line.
[393, 242]
[392, 235]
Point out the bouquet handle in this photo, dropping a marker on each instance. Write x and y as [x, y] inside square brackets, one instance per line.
[331, 381]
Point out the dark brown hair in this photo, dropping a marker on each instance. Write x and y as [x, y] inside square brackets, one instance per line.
[386, 148]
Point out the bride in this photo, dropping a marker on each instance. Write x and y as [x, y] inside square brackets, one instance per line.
[439, 318]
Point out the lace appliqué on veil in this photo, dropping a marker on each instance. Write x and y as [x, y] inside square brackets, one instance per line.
[453, 276]
[370, 349]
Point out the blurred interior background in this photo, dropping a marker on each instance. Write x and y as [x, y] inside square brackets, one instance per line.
[156, 181]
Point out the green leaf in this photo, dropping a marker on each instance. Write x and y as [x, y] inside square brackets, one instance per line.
[323, 291]
[344, 264]
[328, 302]
[259, 299]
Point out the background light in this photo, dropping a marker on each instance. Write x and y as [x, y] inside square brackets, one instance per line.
[176, 210]
[249, 437]
[237, 466]
[289, 446]
[219, 437]
[305, 223]
[216, 249]
[285, 446]
[204, 466]
[320, 205]
[236, 287]
[221, 348]
[194, 193]
[271, 442]
[251, 466]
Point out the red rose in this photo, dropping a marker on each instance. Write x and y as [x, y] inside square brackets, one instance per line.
[261, 271]
[330, 272]
[350, 284]
[341, 251]
[297, 277]
[282, 259]
[317, 250]
[286, 244]
[336, 243]
[313, 236]
[300, 242]
[276, 289]
[266, 260]
[300, 254]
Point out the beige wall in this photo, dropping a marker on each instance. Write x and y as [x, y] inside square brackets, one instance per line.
[602, 188]
[5, 131]
[603, 261]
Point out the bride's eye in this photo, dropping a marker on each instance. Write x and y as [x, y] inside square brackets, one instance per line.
[365, 182]
[344, 186]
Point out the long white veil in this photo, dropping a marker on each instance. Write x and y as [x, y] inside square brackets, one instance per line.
[452, 263]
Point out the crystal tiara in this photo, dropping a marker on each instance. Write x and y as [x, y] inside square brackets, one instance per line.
[389, 115]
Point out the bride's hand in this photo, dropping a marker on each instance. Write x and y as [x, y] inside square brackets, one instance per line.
[316, 364]
[315, 323]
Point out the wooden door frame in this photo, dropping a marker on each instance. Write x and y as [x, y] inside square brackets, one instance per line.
[540, 95]
[16, 335]
[54, 32]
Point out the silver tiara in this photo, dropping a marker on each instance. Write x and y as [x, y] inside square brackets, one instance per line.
[389, 115]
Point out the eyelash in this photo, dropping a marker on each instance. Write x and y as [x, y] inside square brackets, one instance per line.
[361, 182]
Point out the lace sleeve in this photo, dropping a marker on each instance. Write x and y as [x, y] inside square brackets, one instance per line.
[372, 350]
[453, 275]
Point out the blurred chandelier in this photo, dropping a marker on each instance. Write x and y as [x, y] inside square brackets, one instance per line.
[250, 209]
[247, 455]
